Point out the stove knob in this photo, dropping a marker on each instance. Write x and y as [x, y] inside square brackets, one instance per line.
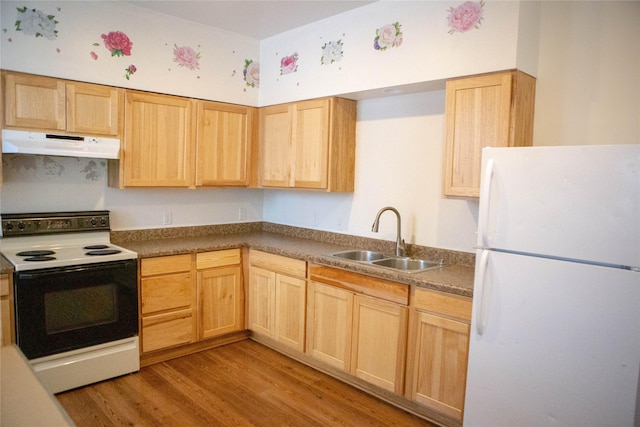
[21, 225]
[103, 222]
[9, 226]
[94, 222]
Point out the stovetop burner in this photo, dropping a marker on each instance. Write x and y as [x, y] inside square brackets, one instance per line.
[36, 253]
[40, 258]
[90, 247]
[100, 252]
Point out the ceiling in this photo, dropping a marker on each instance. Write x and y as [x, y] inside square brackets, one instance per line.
[256, 19]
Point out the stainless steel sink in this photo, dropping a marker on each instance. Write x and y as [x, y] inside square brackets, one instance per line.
[379, 259]
[407, 264]
[359, 255]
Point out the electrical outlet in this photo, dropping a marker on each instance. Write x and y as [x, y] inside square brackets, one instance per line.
[242, 214]
[166, 217]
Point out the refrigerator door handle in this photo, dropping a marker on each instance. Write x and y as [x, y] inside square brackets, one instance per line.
[485, 195]
[482, 312]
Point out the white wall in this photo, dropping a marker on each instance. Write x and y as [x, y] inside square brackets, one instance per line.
[428, 51]
[588, 88]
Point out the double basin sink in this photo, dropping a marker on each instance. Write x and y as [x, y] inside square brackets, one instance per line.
[403, 264]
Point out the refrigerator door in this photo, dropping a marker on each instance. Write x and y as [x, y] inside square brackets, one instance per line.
[552, 343]
[576, 202]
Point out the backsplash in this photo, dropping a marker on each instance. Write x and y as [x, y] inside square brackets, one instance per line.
[449, 257]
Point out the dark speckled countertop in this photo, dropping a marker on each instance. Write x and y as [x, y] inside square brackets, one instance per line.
[456, 276]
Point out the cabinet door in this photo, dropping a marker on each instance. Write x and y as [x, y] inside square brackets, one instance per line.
[262, 291]
[491, 110]
[477, 116]
[290, 311]
[34, 102]
[379, 343]
[311, 144]
[159, 141]
[329, 324]
[223, 144]
[220, 302]
[93, 109]
[165, 330]
[167, 292]
[276, 155]
[438, 367]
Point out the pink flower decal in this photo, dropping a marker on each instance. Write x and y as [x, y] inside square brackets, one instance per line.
[117, 43]
[466, 16]
[94, 55]
[289, 64]
[388, 36]
[186, 57]
[251, 73]
[129, 71]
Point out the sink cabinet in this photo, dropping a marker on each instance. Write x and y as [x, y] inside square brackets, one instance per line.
[348, 317]
[438, 350]
[277, 297]
[308, 144]
[40, 103]
[490, 110]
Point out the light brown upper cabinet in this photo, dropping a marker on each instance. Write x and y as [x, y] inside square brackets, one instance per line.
[489, 110]
[159, 140]
[173, 141]
[49, 104]
[309, 145]
[224, 148]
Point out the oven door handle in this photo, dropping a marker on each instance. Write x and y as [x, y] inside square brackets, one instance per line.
[34, 274]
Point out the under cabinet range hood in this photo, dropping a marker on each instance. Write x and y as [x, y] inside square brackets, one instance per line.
[22, 142]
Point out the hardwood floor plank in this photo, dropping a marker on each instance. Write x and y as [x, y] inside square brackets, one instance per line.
[240, 384]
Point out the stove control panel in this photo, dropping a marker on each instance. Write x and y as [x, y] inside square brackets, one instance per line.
[49, 223]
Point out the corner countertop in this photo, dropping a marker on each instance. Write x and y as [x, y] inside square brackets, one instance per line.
[455, 279]
[24, 400]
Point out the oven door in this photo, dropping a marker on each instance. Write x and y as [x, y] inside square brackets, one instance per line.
[67, 308]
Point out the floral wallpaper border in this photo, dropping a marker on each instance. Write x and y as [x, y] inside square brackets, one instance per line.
[34, 22]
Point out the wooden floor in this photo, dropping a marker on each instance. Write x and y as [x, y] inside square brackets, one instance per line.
[240, 384]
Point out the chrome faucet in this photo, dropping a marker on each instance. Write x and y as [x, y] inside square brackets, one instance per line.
[400, 247]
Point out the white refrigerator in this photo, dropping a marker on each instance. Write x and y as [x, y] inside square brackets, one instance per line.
[555, 332]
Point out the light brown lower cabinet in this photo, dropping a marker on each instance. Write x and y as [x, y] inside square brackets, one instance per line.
[358, 324]
[190, 297]
[438, 351]
[277, 297]
[6, 309]
[167, 303]
[220, 293]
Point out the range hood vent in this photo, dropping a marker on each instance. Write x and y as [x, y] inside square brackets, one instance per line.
[21, 142]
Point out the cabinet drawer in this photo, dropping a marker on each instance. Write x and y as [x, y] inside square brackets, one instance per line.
[278, 263]
[167, 330]
[165, 265]
[441, 303]
[166, 292]
[4, 285]
[362, 284]
[217, 258]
